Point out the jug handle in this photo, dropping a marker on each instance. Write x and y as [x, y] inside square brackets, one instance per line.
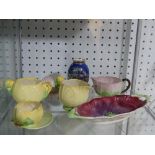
[128, 86]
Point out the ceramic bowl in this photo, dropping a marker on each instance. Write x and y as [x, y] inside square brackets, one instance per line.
[109, 86]
[73, 92]
[109, 109]
[110, 106]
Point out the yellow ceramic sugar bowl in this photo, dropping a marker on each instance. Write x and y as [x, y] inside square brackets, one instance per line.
[27, 114]
[28, 89]
[73, 92]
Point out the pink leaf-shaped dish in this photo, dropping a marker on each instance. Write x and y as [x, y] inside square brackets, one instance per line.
[109, 106]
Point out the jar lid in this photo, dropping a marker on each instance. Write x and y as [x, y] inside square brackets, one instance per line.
[78, 60]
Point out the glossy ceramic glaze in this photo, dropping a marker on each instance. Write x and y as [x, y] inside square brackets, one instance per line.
[28, 89]
[27, 114]
[73, 92]
[109, 86]
[108, 110]
[78, 70]
[46, 120]
[110, 106]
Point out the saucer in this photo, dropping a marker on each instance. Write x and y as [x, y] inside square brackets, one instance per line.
[46, 120]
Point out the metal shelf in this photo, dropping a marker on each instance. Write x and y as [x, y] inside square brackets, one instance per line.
[64, 125]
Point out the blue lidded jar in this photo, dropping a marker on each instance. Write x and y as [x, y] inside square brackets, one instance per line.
[78, 70]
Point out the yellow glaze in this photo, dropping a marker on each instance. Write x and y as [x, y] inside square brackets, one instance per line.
[25, 113]
[28, 89]
[73, 92]
[60, 79]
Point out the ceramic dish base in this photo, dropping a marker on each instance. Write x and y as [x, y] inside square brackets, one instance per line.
[107, 120]
[46, 121]
[104, 119]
